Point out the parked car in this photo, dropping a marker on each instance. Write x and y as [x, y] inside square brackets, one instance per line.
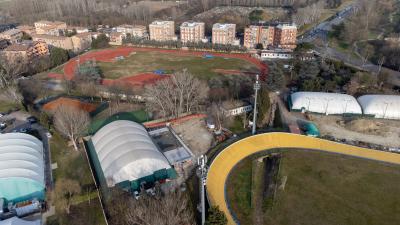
[32, 119]
[2, 126]
[2, 114]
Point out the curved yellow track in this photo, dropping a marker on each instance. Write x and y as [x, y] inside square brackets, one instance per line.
[230, 156]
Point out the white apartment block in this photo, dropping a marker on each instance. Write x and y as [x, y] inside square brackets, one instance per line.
[192, 31]
[162, 31]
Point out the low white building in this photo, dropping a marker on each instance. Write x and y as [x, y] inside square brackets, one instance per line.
[276, 54]
[381, 106]
[324, 103]
[234, 108]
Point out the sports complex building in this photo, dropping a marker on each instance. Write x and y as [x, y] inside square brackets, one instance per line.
[22, 177]
[324, 103]
[124, 154]
[377, 106]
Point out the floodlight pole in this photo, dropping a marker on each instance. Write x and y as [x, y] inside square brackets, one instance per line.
[257, 87]
[202, 163]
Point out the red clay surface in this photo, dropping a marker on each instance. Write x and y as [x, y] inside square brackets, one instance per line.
[53, 105]
[174, 121]
[108, 55]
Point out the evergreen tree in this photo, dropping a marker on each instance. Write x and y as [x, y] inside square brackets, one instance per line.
[216, 216]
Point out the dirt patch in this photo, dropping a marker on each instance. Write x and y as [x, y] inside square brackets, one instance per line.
[53, 105]
[365, 126]
[228, 72]
[375, 131]
[195, 134]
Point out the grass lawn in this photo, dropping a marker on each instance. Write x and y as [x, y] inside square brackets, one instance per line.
[239, 191]
[150, 61]
[5, 106]
[324, 188]
[73, 165]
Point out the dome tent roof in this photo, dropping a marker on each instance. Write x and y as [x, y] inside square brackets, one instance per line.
[126, 152]
[21, 166]
[325, 103]
[381, 106]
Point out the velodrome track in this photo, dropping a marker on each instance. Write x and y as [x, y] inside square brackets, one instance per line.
[230, 156]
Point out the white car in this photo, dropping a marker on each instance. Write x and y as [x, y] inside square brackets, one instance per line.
[48, 135]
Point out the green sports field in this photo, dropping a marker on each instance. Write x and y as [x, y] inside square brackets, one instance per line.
[142, 62]
[319, 188]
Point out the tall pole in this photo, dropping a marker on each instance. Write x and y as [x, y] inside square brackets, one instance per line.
[202, 163]
[257, 87]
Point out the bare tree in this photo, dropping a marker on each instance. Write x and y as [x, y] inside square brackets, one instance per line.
[11, 93]
[64, 191]
[181, 93]
[163, 209]
[71, 122]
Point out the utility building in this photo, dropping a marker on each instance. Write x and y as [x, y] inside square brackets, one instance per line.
[324, 103]
[381, 106]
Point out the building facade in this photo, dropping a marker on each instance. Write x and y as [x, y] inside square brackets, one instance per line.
[27, 29]
[12, 35]
[280, 36]
[26, 51]
[134, 30]
[162, 31]
[224, 34]
[192, 31]
[76, 43]
[56, 28]
[116, 38]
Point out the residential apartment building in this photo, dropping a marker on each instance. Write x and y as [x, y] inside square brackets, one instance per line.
[81, 41]
[279, 36]
[192, 32]
[13, 35]
[134, 30]
[116, 38]
[162, 31]
[76, 43]
[224, 34]
[79, 30]
[26, 50]
[286, 36]
[56, 28]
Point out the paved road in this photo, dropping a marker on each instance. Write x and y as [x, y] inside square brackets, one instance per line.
[323, 28]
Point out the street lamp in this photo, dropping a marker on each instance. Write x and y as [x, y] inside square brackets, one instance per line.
[257, 86]
[202, 173]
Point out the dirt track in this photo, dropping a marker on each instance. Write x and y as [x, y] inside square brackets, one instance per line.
[108, 55]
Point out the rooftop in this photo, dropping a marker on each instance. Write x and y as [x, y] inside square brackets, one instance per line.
[191, 24]
[161, 22]
[223, 25]
[233, 104]
[47, 36]
[11, 32]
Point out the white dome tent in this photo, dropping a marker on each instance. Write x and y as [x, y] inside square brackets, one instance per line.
[324, 103]
[21, 168]
[126, 152]
[381, 106]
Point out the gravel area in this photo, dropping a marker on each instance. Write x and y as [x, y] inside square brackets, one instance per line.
[387, 135]
[195, 134]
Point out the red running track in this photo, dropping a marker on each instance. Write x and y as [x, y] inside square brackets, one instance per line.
[108, 55]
